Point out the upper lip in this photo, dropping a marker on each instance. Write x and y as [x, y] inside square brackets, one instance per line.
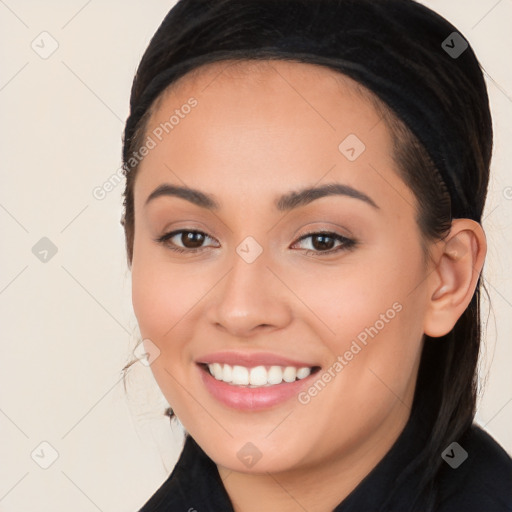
[252, 359]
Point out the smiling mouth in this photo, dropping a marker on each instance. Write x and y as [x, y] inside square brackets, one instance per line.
[257, 376]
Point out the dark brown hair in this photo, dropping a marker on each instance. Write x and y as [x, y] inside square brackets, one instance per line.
[447, 380]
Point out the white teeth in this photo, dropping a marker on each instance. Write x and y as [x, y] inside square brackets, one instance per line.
[227, 375]
[217, 371]
[257, 376]
[275, 375]
[303, 373]
[289, 374]
[240, 376]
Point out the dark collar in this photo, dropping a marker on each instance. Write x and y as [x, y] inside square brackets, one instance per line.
[195, 484]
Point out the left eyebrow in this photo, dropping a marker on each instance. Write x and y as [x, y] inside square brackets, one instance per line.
[305, 196]
[288, 201]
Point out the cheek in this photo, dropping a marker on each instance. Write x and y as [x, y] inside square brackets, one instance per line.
[355, 296]
[157, 294]
[166, 299]
[160, 305]
[151, 299]
[374, 313]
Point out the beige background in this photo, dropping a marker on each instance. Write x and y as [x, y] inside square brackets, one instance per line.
[67, 324]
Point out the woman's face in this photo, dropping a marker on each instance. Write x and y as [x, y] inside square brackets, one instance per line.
[261, 291]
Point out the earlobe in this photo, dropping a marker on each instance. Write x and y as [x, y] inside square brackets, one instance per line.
[460, 259]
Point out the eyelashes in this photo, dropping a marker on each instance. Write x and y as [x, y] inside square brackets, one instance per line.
[195, 237]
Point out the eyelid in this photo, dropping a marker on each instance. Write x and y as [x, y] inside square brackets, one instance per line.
[346, 242]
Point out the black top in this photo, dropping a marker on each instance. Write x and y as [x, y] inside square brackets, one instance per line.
[476, 477]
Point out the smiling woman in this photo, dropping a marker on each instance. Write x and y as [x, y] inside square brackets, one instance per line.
[306, 248]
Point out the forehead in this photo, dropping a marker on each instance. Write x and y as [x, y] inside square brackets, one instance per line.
[271, 75]
[266, 121]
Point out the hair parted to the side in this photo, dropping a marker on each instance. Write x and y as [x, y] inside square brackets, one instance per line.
[447, 380]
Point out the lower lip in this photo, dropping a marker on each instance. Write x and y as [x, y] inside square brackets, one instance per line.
[243, 398]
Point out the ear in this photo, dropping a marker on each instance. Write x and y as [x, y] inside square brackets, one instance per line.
[459, 259]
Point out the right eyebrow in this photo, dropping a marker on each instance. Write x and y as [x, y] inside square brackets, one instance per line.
[305, 196]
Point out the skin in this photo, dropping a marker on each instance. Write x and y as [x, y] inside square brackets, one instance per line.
[259, 131]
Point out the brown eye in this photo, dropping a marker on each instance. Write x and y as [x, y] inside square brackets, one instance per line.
[323, 242]
[191, 240]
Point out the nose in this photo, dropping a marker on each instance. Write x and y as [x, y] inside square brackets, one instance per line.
[250, 297]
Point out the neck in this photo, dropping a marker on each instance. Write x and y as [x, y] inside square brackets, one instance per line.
[316, 488]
